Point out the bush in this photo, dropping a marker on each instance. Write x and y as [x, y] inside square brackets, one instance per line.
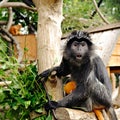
[23, 96]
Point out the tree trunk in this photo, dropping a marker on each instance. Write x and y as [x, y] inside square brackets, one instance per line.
[49, 33]
[48, 40]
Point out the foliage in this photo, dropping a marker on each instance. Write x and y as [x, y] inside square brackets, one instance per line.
[112, 9]
[3, 14]
[28, 19]
[77, 14]
[23, 95]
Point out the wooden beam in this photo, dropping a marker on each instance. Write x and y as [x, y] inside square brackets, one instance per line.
[104, 28]
[115, 69]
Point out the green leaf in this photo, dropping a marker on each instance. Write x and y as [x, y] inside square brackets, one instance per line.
[15, 107]
[39, 110]
[27, 104]
[49, 117]
[2, 95]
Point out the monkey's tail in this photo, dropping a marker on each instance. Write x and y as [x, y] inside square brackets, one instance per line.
[111, 113]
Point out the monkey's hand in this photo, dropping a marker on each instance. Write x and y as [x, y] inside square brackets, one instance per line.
[51, 105]
[50, 73]
[43, 74]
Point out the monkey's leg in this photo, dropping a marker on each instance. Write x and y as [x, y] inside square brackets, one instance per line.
[98, 114]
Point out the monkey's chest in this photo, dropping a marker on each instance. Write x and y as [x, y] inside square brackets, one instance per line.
[82, 72]
[80, 76]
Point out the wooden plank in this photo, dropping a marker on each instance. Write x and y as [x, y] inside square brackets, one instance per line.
[104, 28]
[115, 58]
[115, 69]
[99, 29]
[114, 61]
[29, 43]
[116, 50]
[118, 40]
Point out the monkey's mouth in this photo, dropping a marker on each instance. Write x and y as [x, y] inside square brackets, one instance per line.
[78, 57]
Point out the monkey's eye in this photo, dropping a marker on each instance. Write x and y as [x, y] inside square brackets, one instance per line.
[75, 44]
[83, 43]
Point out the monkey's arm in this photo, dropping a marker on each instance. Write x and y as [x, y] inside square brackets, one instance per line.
[61, 70]
[72, 100]
[101, 73]
[29, 3]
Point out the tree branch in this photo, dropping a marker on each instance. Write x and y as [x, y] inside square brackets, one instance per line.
[20, 52]
[4, 1]
[99, 12]
[6, 38]
[10, 18]
[3, 22]
[95, 11]
[16, 4]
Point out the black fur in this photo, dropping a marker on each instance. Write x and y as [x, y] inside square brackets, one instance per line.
[93, 84]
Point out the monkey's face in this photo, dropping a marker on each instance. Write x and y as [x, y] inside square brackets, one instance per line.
[79, 50]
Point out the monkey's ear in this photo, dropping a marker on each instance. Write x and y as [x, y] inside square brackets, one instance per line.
[51, 105]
